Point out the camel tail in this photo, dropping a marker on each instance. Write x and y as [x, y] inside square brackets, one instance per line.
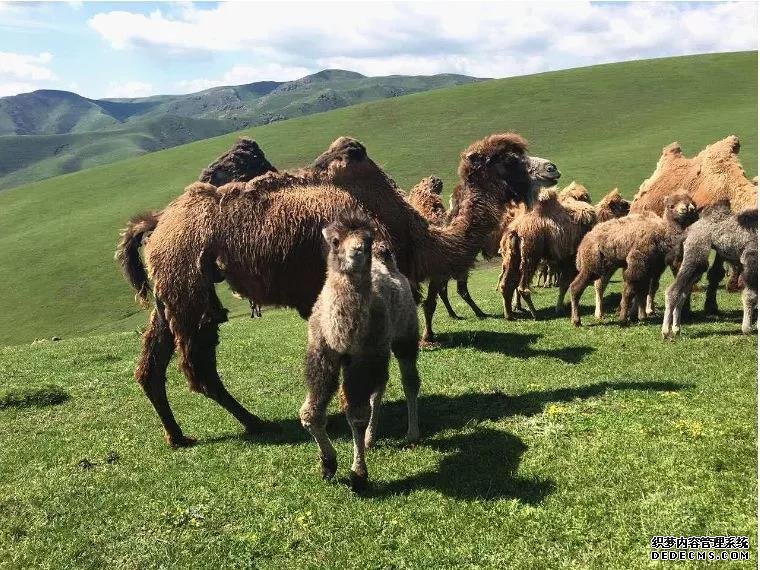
[128, 253]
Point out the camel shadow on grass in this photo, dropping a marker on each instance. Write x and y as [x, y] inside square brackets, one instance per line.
[515, 344]
[42, 397]
[479, 464]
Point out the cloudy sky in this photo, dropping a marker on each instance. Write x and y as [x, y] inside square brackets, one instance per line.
[137, 49]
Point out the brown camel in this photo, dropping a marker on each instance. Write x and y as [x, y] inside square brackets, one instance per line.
[266, 243]
[714, 175]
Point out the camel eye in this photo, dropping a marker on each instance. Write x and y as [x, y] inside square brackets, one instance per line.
[335, 242]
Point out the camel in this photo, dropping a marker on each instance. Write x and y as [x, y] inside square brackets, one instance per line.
[642, 244]
[714, 175]
[264, 239]
[734, 238]
[365, 310]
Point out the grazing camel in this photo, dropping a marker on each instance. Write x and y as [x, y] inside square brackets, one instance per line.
[264, 239]
[364, 310]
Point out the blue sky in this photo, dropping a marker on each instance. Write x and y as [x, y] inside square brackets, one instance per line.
[138, 49]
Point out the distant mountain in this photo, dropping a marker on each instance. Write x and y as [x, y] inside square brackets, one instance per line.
[87, 132]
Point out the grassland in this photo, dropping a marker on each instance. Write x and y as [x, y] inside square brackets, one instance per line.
[603, 126]
[543, 446]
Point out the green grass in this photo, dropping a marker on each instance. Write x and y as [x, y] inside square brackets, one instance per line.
[544, 446]
[603, 126]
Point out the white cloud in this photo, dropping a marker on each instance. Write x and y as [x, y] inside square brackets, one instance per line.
[21, 73]
[491, 39]
[129, 89]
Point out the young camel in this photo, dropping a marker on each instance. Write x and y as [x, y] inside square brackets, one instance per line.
[263, 237]
[550, 231]
[642, 244]
[734, 238]
[365, 309]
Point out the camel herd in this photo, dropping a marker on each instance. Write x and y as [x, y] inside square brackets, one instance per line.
[340, 242]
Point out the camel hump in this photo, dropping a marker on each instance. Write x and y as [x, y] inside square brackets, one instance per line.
[673, 149]
[244, 161]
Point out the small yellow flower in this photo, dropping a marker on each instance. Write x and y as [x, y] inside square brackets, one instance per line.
[556, 409]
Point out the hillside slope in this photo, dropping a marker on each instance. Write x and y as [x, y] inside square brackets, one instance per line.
[47, 133]
[603, 125]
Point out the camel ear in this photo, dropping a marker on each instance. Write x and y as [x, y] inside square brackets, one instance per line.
[327, 233]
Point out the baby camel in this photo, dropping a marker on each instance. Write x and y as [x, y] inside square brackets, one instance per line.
[734, 239]
[643, 244]
[364, 311]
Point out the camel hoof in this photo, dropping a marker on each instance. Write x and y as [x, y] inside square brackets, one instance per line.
[358, 481]
[430, 344]
[576, 322]
[181, 441]
[329, 467]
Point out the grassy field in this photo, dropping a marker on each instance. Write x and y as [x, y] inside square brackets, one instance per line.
[602, 125]
[544, 446]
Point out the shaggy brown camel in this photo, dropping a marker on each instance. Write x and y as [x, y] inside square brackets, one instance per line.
[266, 243]
[425, 197]
[642, 244]
[550, 231]
[715, 174]
[365, 310]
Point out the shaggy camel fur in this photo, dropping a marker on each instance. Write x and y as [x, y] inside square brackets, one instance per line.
[425, 197]
[643, 244]
[715, 174]
[734, 238]
[438, 286]
[365, 308]
[550, 231]
[266, 243]
[241, 163]
[611, 206]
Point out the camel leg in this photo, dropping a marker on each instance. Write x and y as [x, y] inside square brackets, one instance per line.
[629, 292]
[566, 276]
[406, 353]
[322, 370]
[443, 293]
[200, 368]
[577, 287]
[158, 347]
[678, 294]
[599, 286]
[375, 400]
[464, 293]
[363, 375]
[428, 308]
[527, 269]
[749, 301]
[714, 276]
[508, 288]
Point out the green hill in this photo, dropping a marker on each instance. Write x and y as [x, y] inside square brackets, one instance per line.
[603, 125]
[47, 132]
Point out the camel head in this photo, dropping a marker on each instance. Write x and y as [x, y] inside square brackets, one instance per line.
[680, 208]
[349, 239]
[346, 163]
[500, 164]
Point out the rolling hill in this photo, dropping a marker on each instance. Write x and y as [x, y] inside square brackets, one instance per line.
[46, 133]
[603, 125]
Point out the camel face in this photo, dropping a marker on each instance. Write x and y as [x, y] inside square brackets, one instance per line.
[681, 208]
[543, 173]
[350, 247]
